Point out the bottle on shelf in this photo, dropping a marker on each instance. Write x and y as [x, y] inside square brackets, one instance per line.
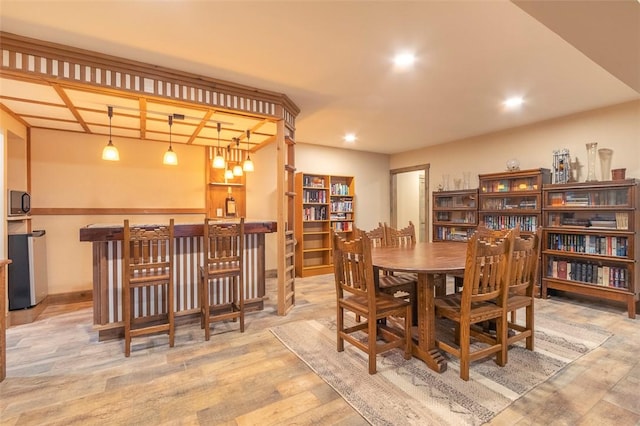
[230, 204]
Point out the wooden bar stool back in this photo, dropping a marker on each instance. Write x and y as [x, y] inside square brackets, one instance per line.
[147, 280]
[356, 292]
[222, 276]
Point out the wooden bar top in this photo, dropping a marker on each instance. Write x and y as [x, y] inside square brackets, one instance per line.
[113, 232]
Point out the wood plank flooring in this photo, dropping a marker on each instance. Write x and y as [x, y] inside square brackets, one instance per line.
[58, 373]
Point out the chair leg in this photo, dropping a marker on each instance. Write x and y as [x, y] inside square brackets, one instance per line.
[502, 330]
[340, 328]
[465, 349]
[372, 347]
[407, 333]
[171, 317]
[241, 303]
[127, 322]
[205, 309]
[529, 324]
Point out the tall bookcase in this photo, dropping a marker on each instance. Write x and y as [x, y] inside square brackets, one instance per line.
[325, 202]
[590, 236]
[513, 198]
[454, 214]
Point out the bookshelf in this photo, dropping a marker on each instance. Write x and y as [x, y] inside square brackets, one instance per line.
[590, 235]
[326, 202]
[454, 214]
[513, 198]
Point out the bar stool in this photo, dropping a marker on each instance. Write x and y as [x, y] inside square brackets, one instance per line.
[147, 282]
[222, 277]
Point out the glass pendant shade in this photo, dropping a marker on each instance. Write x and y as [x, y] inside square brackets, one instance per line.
[110, 152]
[247, 166]
[218, 161]
[170, 157]
[237, 170]
[228, 174]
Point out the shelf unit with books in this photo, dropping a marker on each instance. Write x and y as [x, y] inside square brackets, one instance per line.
[454, 214]
[324, 202]
[512, 198]
[590, 238]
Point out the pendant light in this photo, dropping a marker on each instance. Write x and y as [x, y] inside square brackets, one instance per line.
[218, 160]
[248, 164]
[170, 157]
[110, 152]
[228, 173]
[237, 169]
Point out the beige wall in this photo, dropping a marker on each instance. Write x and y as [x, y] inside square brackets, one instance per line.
[616, 127]
[67, 172]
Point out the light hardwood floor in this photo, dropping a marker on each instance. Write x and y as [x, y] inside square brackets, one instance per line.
[58, 373]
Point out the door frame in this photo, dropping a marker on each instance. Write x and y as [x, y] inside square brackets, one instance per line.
[393, 173]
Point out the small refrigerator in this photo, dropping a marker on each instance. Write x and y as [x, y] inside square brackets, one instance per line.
[27, 274]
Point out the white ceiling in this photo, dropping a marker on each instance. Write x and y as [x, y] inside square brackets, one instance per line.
[333, 59]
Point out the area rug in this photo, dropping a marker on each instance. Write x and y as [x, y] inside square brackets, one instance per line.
[407, 392]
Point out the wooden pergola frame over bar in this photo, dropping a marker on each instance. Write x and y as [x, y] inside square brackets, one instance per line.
[32, 60]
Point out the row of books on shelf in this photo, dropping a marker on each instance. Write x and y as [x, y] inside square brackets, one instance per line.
[339, 189]
[341, 215]
[314, 213]
[589, 244]
[313, 181]
[591, 198]
[314, 196]
[591, 273]
[509, 204]
[343, 226]
[343, 205]
[507, 185]
[453, 234]
[456, 217]
[527, 223]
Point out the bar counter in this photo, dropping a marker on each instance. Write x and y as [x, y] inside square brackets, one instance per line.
[107, 267]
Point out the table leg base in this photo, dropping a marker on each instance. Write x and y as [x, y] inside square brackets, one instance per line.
[433, 358]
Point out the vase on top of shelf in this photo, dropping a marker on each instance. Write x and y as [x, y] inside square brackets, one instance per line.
[605, 162]
[591, 161]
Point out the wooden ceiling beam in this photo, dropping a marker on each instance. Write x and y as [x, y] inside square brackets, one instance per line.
[198, 129]
[63, 95]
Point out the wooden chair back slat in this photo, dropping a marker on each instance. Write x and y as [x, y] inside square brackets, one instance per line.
[378, 236]
[401, 237]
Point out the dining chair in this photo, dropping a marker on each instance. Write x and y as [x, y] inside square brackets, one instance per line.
[398, 284]
[147, 281]
[222, 277]
[522, 284]
[356, 293]
[483, 298]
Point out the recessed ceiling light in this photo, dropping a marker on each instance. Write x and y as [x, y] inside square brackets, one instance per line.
[514, 102]
[404, 60]
[350, 137]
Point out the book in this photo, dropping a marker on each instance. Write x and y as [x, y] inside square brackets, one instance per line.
[562, 269]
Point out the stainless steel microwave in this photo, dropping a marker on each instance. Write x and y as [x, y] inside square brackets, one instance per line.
[19, 203]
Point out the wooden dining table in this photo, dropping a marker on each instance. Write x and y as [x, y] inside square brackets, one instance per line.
[429, 261]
